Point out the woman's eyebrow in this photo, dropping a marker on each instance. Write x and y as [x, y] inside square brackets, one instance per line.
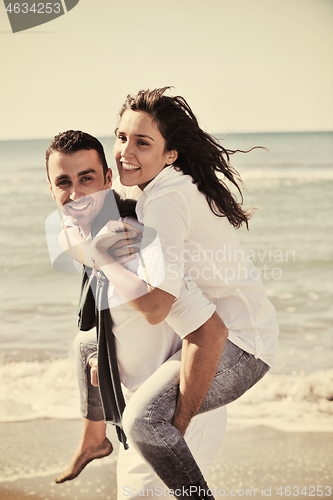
[117, 131]
[143, 135]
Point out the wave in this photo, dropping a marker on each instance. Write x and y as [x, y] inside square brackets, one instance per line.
[300, 175]
[32, 390]
[289, 402]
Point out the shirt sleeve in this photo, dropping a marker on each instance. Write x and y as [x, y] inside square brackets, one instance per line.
[170, 216]
[191, 310]
[151, 265]
[60, 260]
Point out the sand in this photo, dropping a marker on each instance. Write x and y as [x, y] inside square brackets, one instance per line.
[252, 462]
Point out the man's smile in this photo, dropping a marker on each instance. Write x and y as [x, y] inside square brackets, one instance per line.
[77, 206]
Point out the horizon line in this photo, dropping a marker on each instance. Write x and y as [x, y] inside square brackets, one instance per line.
[215, 134]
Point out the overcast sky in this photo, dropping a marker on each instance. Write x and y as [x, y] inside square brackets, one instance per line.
[243, 65]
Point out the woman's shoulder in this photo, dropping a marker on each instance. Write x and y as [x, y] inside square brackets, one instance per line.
[171, 182]
[165, 194]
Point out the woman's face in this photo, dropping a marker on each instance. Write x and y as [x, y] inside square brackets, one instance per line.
[139, 149]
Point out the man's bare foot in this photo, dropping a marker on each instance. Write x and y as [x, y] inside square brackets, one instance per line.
[82, 458]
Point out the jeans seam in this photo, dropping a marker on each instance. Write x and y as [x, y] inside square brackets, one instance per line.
[232, 367]
[85, 379]
[185, 469]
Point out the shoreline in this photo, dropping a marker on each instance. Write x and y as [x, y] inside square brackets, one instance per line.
[260, 460]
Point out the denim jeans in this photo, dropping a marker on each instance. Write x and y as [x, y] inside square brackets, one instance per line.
[149, 412]
[85, 347]
[148, 415]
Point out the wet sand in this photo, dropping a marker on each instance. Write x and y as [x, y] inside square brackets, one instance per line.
[252, 462]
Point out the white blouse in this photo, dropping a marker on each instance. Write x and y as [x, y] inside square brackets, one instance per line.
[198, 244]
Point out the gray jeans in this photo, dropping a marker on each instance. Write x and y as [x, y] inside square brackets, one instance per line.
[85, 347]
[148, 415]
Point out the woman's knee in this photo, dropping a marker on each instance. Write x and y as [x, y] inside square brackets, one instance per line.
[142, 416]
[136, 420]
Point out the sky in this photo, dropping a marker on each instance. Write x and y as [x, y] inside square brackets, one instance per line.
[243, 65]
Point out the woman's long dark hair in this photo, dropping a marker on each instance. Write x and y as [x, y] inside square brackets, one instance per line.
[199, 154]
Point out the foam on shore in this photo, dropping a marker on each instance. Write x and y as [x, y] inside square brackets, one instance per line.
[292, 402]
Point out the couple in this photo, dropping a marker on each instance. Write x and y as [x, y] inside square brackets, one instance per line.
[161, 153]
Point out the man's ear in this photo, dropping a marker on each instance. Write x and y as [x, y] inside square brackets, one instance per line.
[172, 156]
[50, 186]
[108, 178]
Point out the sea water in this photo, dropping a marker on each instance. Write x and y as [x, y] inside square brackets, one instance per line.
[290, 242]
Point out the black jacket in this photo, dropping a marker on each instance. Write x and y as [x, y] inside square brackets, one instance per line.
[94, 312]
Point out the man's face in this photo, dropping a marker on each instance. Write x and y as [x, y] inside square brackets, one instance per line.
[77, 184]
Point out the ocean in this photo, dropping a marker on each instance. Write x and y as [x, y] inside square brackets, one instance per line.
[290, 242]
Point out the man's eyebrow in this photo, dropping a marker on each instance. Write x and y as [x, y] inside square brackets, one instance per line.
[84, 172]
[61, 177]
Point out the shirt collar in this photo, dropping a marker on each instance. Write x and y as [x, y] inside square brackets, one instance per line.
[164, 173]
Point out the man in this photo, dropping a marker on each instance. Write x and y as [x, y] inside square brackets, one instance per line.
[80, 182]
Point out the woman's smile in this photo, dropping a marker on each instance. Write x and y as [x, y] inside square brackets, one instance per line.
[128, 167]
[139, 149]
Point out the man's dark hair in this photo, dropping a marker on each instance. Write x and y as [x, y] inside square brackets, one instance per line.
[71, 141]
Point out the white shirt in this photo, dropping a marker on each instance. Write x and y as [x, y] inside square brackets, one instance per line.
[141, 347]
[197, 243]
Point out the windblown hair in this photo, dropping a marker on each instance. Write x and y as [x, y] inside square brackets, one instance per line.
[71, 141]
[199, 154]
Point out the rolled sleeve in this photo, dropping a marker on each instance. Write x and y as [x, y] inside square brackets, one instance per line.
[191, 310]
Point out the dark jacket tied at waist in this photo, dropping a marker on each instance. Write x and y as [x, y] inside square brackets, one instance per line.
[94, 312]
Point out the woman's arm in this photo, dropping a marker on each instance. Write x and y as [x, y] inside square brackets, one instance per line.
[71, 241]
[201, 353]
[170, 216]
[153, 304]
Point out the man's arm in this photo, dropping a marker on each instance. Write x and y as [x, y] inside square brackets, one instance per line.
[201, 354]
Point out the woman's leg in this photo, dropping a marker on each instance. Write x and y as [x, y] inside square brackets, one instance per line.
[136, 479]
[147, 418]
[94, 443]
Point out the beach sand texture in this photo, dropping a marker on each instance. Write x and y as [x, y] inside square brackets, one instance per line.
[259, 459]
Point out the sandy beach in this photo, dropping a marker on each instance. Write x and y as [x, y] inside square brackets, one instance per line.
[252, 462]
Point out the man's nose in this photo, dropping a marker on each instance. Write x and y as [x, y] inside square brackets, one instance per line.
[76, 192]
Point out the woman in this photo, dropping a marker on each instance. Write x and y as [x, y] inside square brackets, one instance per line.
[182, 172]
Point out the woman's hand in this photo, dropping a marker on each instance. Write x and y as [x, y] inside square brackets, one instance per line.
[111, 243]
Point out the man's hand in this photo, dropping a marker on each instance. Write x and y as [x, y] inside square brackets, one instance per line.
[93, 372]
[122, 251]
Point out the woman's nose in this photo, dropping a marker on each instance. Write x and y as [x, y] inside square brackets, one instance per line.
[127, 149]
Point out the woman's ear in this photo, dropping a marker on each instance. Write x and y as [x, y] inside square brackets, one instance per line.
[171, 156]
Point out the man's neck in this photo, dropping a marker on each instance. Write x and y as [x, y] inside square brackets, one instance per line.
[85, 230]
